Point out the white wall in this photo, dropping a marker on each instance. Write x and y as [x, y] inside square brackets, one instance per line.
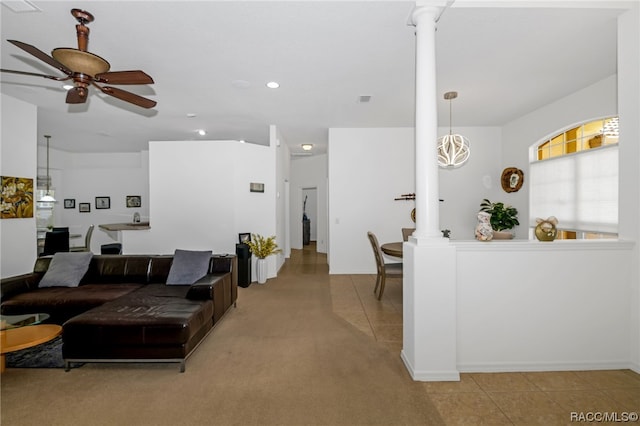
[464, 188]
[613, 95]
[283, 175]
[18, 148]
[193, 181]
[309, 172]
[83, 176]
[369, 168]
[629, 111]
[596, 101]
[200, 198]
[524, 306]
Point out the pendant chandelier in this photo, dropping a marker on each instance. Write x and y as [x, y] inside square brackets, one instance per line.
[453, 149]
[48, 198]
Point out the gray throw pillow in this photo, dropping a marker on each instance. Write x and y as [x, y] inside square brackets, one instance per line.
[66, 269]
[188, 267]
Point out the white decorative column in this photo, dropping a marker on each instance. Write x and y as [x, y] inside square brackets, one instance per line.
[429, 283]
[426, 123]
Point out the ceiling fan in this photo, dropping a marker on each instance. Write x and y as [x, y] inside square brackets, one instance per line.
[86, 69]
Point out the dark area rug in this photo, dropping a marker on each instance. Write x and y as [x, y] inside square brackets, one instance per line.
[46, 355]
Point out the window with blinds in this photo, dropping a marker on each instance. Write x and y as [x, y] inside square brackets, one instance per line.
[574, 177]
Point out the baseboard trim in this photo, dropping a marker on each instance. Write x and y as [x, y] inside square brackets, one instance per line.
[454, 375]
[429, 376]
[551, 366]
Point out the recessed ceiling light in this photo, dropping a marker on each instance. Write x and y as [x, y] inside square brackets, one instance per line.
[273, 85]
[202, 132]
[242, 141]
[191, 115]
[307, 146]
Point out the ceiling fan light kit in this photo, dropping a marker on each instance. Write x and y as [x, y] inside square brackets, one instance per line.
[453, 149]
[86, 69]
[82, 62]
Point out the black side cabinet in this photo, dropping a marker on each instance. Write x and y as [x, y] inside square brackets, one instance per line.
[244, 265]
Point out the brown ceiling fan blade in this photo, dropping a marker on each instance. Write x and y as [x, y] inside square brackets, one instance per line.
[51, 77]
[41, 55]
[128, 96]
[124, 77]
[77, 95]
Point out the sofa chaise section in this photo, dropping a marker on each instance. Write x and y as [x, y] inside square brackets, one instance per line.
[152, 324]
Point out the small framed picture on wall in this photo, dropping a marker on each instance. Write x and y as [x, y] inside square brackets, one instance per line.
[134, 201]
[103, 202]
[69, 203]
[84, 207]
[244, 237]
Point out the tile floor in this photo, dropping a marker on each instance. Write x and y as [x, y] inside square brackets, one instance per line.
[536, 398]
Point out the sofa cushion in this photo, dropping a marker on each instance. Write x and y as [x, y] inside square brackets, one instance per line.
[188, 266]
[66, 269]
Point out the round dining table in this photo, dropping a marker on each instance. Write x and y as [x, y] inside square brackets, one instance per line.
[392, 249]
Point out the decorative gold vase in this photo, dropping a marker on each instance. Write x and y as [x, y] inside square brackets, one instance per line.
[546, 231]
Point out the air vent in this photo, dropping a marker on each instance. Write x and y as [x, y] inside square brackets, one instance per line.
[364, 99]
[301, 154]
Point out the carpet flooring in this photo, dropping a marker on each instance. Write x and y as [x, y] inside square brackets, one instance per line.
[307, 348]
[282, 357]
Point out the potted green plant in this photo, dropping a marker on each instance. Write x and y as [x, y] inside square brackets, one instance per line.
[503, 218]
[262, 247]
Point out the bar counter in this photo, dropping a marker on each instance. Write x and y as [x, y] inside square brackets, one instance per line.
[125, 226]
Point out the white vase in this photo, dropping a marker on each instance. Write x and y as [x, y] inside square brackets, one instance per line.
[261, 271]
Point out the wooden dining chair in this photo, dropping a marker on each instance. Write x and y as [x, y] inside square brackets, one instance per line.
[87, 241]
[406, 233]
[384, 270]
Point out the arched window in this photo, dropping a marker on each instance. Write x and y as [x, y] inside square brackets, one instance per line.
[574, 177]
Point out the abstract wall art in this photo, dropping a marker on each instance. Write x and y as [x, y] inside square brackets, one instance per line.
[16, 198]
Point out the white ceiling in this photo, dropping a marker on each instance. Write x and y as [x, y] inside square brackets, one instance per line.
[214, 58]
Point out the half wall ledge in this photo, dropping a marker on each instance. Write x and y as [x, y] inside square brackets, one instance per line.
[535, 245]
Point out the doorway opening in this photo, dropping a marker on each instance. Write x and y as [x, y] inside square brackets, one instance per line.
[309, 216]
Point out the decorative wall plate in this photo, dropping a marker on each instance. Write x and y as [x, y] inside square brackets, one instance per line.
[512, 179]
[413, 215]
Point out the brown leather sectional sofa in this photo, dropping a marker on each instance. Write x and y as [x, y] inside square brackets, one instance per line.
[123, 311]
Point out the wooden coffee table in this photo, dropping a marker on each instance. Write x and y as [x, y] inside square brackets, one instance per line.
[15, 339]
